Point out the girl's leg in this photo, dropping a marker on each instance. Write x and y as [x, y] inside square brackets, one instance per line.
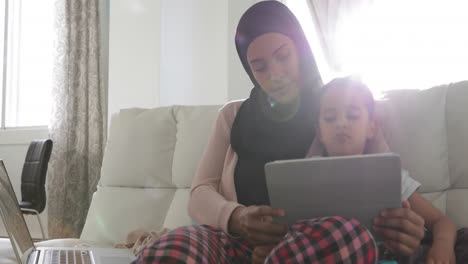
[196, 244]
[326, 240]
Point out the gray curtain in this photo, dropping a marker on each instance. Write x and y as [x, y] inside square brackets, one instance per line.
[79, 119]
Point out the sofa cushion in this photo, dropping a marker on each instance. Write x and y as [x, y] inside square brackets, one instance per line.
[457, 210]
[414, 125]
[457, 133]
[438, 199]
[140, 148]
[150, 153]
[177, 214]
[115, 211]
[194, 124]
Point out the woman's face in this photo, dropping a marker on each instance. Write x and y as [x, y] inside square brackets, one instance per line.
[274, 62]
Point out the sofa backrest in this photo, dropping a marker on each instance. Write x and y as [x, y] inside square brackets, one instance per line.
[429, 129]
[149, 162]
[152, 154]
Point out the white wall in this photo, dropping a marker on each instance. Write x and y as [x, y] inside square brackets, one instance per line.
[134, 45]
[239, 82]
[193, 52]
[175, 52]
[14, 144]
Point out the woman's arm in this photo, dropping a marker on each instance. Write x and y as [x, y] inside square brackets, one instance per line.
[206, 204]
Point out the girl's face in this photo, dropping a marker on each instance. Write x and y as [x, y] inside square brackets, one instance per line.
[274, 62]
[344, 122]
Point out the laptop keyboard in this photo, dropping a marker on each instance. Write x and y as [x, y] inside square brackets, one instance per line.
[67, 256]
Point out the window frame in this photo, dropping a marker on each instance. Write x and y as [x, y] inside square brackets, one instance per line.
[4, 69]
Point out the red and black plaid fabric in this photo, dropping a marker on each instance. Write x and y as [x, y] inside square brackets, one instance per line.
[326, 240]
[321, 240]
[196, 244]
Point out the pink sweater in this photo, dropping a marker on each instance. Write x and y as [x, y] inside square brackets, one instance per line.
[213, 194]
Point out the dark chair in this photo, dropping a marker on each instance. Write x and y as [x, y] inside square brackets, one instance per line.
[33, 178]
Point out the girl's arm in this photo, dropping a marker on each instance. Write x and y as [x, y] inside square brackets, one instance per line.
[402, 229]
[442, 228]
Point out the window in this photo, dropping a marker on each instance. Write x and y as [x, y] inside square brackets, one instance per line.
[303, 14]
[397, 44]
[26, 61]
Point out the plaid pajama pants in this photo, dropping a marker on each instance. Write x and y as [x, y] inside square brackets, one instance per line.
[319, 240]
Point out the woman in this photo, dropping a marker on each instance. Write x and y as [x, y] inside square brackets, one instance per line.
[229, 195]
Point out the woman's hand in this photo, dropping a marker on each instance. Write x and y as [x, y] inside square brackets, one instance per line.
[402, 229]
[255, 224]
[260, 253]
[441, 253]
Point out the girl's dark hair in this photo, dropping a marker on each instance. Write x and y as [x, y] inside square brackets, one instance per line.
[356, 85]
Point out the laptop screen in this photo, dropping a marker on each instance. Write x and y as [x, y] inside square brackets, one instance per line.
[12, 216]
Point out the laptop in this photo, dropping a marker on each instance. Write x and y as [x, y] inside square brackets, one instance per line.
[27, 253]
[353, 186]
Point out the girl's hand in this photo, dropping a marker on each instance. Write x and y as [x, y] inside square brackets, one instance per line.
[255, 224]
[402, 229]
[440, 253]
[260, 253]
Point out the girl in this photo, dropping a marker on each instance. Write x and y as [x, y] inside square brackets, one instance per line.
[346, 123]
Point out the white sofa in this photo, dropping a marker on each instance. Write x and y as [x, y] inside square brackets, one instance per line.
[152, 154]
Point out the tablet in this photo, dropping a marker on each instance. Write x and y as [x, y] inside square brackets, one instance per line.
[352, 186]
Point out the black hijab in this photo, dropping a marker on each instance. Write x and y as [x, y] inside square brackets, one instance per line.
[264, 132]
